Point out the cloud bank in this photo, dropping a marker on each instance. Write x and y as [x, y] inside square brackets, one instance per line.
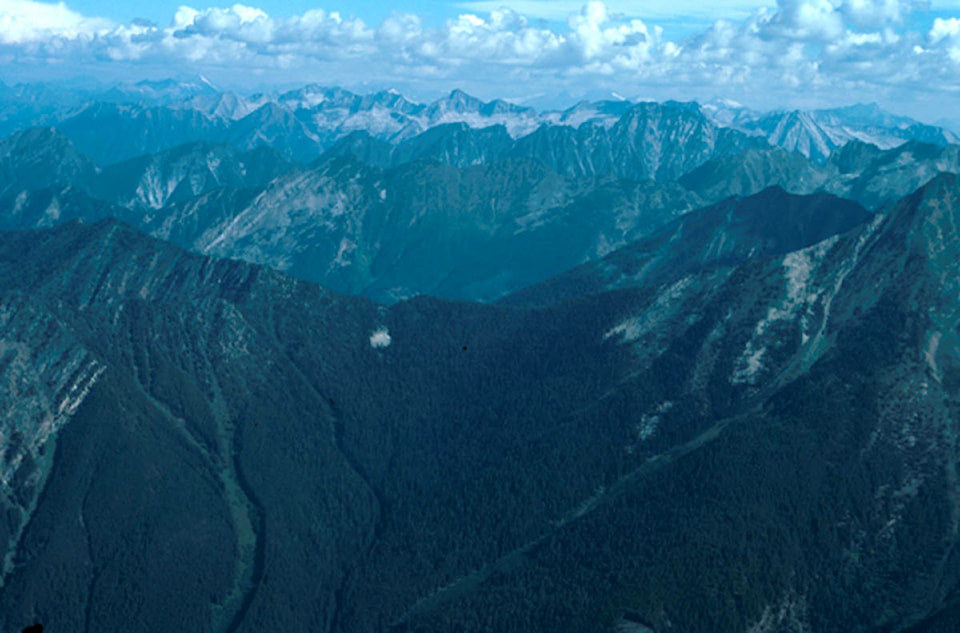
[799, 53]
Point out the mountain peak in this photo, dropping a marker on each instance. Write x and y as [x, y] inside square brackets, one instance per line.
[460, 102]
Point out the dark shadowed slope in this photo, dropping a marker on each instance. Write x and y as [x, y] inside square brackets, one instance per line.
[772, 222]
[764, 446]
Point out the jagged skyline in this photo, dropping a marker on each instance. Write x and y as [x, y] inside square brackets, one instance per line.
[794, 54]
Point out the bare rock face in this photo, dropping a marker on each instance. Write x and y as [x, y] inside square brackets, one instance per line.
[45, 376]
[42, 384]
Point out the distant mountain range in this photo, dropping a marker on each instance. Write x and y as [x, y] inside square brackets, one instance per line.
[152, 116]
[816, 134]
[457, 212]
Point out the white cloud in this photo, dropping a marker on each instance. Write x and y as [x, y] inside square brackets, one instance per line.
[944, 29]
[794, 51]
[380, 339]
[560, 10]
[809, 19]
[874, 13]
[945, 34]
[23, 21]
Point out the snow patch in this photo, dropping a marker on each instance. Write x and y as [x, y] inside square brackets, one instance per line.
[380, 339]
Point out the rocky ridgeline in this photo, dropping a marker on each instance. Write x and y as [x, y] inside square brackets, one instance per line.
[46, 374]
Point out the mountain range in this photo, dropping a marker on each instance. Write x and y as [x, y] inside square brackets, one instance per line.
[151, 116]
[649, 372]
[455, 212]
[237, 441]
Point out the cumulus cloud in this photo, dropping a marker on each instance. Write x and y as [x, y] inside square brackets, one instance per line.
[945, 34]
[792, 50]
[23, 21]
[814, 49]
[380, 339]
[944, 29]
[560, 10]
[806, 20]
[875, 13]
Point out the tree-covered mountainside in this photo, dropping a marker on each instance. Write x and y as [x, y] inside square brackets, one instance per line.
[712, 384]
[378, 196]
[455, 211]
[769, 444]
[724, 235]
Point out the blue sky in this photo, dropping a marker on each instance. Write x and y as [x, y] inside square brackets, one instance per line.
[679, 17]
[435, 11]
[160, 11]
[904, 54]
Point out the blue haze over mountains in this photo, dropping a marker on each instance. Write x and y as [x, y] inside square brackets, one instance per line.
[318, 361]
[380, 196]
